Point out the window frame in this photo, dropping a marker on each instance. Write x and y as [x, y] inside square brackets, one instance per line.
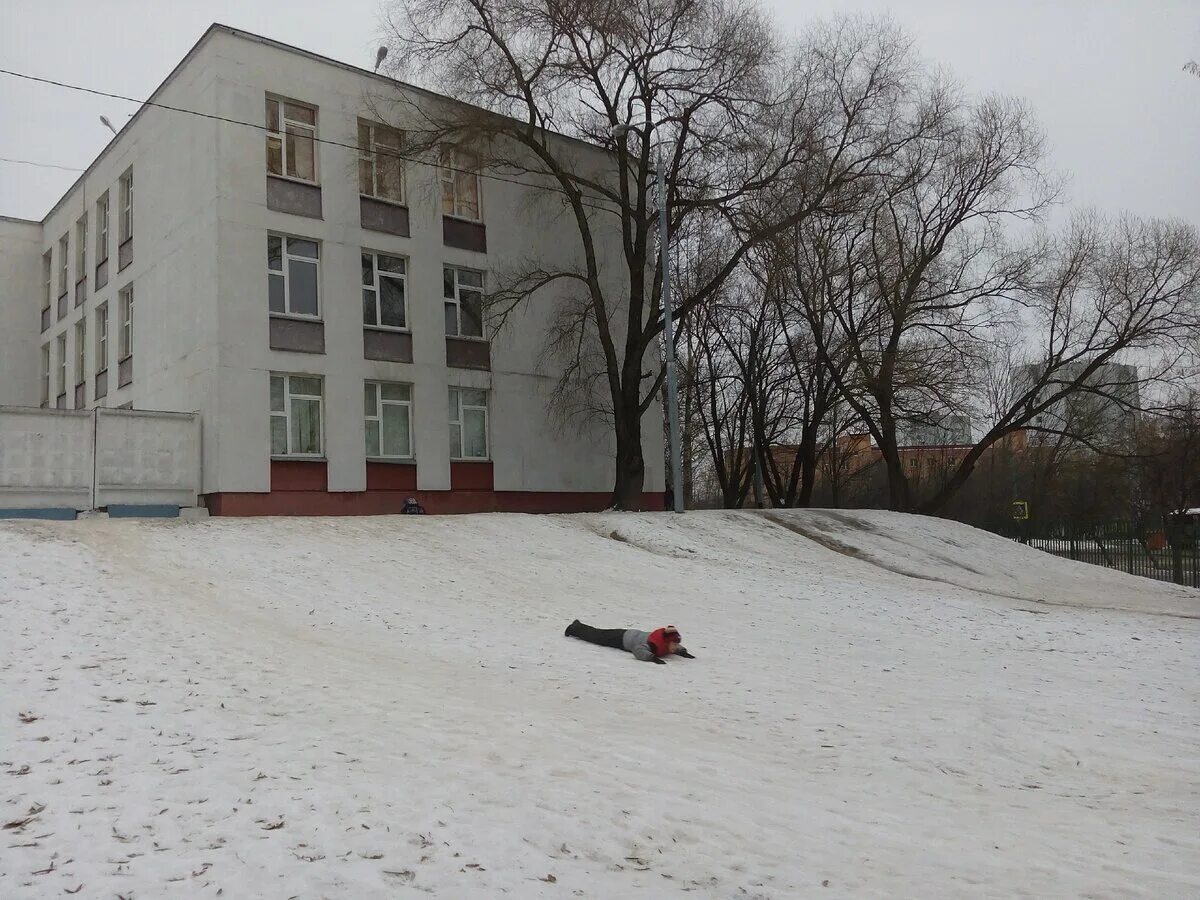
[48, 278]
[456, 301]
[377, 275]
[285, 273]
[380, 403]
[64, 265]
[456, 162]
[102, 338]
[125, 213]
[81, 351]
[125, 311]
[61, 348]
[286, 414]
[102, 213]
[280, 135]
[457, 409]
[81, 231]
[369, 156]
[46, 374]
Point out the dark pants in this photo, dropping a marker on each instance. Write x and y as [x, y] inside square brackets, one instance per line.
[605, 637]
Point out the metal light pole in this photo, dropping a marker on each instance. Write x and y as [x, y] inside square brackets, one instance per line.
[669, 339]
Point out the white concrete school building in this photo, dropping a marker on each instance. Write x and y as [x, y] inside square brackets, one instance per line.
[316, 300]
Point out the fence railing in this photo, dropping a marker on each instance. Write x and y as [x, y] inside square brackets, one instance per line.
[1166, 554]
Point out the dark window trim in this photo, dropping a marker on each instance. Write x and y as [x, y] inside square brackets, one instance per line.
[294, 179]
[296, 317]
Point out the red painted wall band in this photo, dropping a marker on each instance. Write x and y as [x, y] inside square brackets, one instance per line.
[384, 502]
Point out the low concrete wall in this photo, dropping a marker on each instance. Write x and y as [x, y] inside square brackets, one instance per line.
[46, 459]
[147, 458]
[87, 459]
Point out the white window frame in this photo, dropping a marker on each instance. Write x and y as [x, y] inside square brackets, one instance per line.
[102, 228]
[456, 301]
[48, 277]
[81, 248]
[101, 338]
[457, 164]
[81, 351]
[457, 409]
[286, 126]
[377, 416]
[61, 349]
[125, 232]
[64, 263]
[125, 310]
[286, 414]
[368, 157]
[376, 287]
[46, 374]
[285, 256]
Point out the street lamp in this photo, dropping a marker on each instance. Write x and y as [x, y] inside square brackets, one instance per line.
[619, 131]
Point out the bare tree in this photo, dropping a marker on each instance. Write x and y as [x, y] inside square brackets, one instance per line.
[1108, 292]
[708, 81]
[929, 260]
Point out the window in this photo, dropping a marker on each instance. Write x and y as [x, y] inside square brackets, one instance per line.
[45, 375]
[102, 339]
[460, 184]
[81, 248]
[383, 282]
[80, 350]
[468, 424]
[380, 168]
[463, 290]
[126, 347]
[291, 138]
[126, 230]
[61, 349]
[388, 411]
[296, 415]
[48, 280]
[293, 273]
[102, 228]
[64, 262]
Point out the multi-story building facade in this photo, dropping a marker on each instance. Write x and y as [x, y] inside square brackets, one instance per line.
[272, 264]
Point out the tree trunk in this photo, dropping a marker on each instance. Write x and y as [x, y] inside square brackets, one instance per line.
[899, 496]
[808, 470]
[631, 466]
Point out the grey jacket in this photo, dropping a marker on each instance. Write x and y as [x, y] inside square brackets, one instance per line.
[637, 643]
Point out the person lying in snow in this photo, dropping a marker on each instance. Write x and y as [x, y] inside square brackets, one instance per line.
[648, 646]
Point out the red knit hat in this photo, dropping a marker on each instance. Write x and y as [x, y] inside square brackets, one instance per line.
[661, 638]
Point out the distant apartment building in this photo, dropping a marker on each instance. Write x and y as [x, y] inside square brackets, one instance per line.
[949, 430]
[1104, 415]
[317, 298]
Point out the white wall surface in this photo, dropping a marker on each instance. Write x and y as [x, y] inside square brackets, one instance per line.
[529, 450]
[20, 311]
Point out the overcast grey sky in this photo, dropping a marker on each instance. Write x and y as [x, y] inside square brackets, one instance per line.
[1105, 77]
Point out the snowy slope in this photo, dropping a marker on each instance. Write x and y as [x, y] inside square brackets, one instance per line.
[387, 707]
[941, 550]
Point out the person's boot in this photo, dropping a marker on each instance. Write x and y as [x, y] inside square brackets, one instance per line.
[570, 632]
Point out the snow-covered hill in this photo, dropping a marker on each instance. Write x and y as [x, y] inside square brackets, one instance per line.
[880, 705]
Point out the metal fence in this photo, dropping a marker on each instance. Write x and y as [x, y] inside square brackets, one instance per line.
[1167, 554]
